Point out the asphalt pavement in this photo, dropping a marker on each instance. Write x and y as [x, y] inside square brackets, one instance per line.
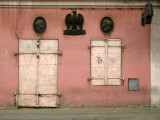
[86, 113]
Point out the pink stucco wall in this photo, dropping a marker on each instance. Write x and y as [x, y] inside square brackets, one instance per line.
[74, 64]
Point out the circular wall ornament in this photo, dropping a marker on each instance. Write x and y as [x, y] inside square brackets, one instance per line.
[107, 25]
[39, 25]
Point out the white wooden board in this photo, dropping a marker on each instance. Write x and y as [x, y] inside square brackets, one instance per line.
[37, 76]
[106, 62]
[114, 62]
[48, 73]
[97, 62]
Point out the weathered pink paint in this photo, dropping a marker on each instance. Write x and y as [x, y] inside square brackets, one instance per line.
[74, 64]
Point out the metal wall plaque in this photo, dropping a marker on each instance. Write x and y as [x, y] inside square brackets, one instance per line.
[107, 25]
[39, 25]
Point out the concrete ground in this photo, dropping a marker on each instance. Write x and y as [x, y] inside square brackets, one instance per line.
[86, 113]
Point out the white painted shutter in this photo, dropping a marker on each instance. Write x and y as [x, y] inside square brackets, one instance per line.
[28, 77]
[38, 73]
[47, 87]
[98, 62]
[114, 62]
[106, 62]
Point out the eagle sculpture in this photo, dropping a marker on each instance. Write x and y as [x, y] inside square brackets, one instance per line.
[74, 24]
[80, 21]
[68, 21]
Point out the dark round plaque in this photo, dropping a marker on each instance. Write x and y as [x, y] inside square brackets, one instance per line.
[39, 25]
[107, 25]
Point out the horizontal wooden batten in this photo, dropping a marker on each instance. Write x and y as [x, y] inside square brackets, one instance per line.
[77, 3]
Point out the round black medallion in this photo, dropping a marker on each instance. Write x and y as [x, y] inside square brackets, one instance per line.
[39, 25]
[107, 25]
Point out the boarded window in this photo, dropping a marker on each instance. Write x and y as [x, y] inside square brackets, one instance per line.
[106, 62]
[38, 73]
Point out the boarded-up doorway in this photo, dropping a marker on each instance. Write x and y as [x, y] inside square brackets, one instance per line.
[38, 73]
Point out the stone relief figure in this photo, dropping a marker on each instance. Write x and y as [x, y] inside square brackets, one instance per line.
[107, 25]
[74, 24]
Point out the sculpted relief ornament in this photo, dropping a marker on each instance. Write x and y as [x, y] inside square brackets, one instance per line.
[74, 24]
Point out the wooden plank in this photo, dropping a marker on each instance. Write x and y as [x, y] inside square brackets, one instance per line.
[27, 46]
[98, 72]
[46, 89]
[27, 100]
[48, 73]
[98, 43]
[48, 45]
[100, 50]
[106, 64]
[50, 59]
[28, 76]
[47, 80]
[28, 59]
[114, 81]
[48, 101]
[114, 50]
[98, 62]
[114, 72]
[28, 73]
[114, 42]
[47, 69]
[97, 82]
[114, 62]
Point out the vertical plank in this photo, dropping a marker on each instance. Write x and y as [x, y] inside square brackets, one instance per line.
[97, 62]
[106, 64]
[28, 73]
[28, 68]
[48, 73]
[114, 62]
